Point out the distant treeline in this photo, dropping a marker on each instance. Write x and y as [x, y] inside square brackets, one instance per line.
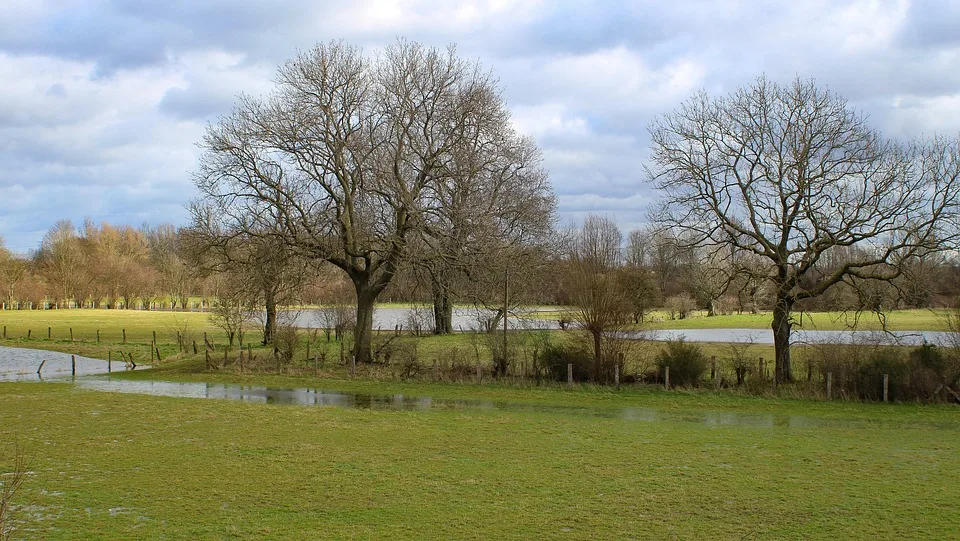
[124, 267]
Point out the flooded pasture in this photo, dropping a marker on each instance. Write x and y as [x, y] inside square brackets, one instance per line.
[21, 364]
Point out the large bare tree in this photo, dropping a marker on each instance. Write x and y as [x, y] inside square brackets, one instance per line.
[496, 208]
[791, 173]
[349, 153]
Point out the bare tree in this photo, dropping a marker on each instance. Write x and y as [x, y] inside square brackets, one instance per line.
[349, 154]
[790, 173]
[60, 260]
[600, 305]
[493, 204]
[12, 272]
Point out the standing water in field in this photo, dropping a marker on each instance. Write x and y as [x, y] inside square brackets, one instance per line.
[20, 364]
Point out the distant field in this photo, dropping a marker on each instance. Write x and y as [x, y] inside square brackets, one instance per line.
[137, 467]
[898, 320]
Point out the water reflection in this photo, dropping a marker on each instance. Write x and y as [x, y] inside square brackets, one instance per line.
[400, 402]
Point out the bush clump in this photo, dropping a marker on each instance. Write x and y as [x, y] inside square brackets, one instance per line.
[555, 359]
[687, 362]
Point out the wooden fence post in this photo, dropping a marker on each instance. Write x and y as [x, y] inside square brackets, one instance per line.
[666, 377]
[49, 333]
[28, 333]
[71, 334]
[154, 338]
[73, 365]
[158, 355]
[4, 332]
[41, 366]
[616, 375]
[569, 373]
[109, 362]
[124, 336]
[886, 387]
[713, 367]
[829, 385]
[98, 336]
[762, 370]
[195, 351]
[206, 356]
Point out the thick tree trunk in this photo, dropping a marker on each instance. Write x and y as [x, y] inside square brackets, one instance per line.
[363, 332]
[781, 338]
[495, 324]
[270, 324]
[442, 310]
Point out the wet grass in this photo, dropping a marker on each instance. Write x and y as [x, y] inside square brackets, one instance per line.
[132, 467]
[126, 466]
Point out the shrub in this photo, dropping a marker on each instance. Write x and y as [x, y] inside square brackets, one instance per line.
[687, 362]
[285, 342]
[556, 357]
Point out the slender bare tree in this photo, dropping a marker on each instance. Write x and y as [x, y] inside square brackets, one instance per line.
[790, 173]
[600, 303]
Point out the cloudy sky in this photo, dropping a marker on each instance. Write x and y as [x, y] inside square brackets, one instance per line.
[102, 102]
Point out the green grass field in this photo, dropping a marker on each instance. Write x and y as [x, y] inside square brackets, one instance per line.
[123, 466]
[897, 320]
[132, 467]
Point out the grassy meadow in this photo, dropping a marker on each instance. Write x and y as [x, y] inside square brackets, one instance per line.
[545, 462]
[118, 466]
[897, 320]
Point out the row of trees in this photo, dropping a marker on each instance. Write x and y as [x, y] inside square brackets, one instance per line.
[404, 174]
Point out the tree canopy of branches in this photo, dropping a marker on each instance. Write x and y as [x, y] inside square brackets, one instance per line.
[595, 288]
[790, 174]
[495, 208]
[350, 157]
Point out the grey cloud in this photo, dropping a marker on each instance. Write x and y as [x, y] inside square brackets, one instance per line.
[133, 165]
[194, 104]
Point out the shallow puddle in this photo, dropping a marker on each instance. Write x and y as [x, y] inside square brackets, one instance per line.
[400, 402]
[23, 364]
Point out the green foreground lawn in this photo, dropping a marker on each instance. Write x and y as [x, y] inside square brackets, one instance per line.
[119, 466]
[137, 467]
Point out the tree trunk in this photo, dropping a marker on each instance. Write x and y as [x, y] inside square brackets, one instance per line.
[442, 309]
[497, 318]
[781, 338]
[270, 324]
[597, 361]
[362, 351]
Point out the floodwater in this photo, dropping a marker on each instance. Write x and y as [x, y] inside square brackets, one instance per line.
[390, 318]
[470, 319]
[799, 337]
[400, 402]
[20, 364]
